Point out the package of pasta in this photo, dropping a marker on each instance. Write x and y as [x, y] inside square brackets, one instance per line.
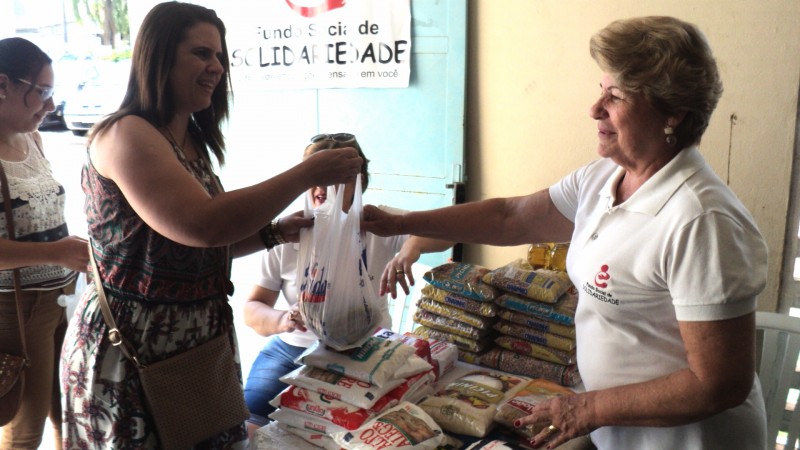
[537, 337]
[454, 313]
[535, 350]
[471, 345]
[339, 387]
[563, 311]
[523, 402]
[463, 279]
[536, 323]
[470, 357]
[321, 407]
[376, 361]
[485, 309]
[403, 427]
[468, 405]
[519, 277]
[449, 325]
[512, 362]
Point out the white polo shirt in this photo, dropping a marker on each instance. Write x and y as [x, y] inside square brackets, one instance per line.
[279, 273]
[682, 247]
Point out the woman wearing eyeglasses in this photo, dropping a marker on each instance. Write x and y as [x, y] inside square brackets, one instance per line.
[47, 257]
[289, 337]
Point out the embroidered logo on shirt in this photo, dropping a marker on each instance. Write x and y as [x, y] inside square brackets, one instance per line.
[597, 290]
[601, 277]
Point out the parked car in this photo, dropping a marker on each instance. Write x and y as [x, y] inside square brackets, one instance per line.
[70, 69]
[98, 95]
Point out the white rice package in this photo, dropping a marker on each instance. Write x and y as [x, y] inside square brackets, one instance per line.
[356, 392]
[376, 361]
[305, 421]
[403, 427]
[316, 439]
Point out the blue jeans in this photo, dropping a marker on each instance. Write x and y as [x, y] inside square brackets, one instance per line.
[275, 360]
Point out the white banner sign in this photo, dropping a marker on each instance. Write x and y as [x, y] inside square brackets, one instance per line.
[298, 44]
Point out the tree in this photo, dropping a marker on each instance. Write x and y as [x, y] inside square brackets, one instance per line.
[110, 15]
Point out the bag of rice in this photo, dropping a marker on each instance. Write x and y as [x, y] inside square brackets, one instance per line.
[313, 438]
[444, 356]
[523, 402]
[305, 421]
[520, 278]
[463, 279]
[468, 405]
[376, 362]
[404, 427]
[339, 387]
[321, 407]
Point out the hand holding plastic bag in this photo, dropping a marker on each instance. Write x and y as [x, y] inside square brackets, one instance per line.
[336, 299]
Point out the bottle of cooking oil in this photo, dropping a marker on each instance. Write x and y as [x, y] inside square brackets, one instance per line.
[558, 256]
[539, 255]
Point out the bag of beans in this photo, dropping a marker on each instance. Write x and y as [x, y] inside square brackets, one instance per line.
[485, 309]
[562, 311]
[536, 323]
[520, 278]
[512, 362]
[463, 279]
[523, 402]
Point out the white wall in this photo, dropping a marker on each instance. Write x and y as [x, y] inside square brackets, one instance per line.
[531, 82]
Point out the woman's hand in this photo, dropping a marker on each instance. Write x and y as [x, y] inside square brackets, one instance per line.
[398, 270]
[379, 222]
[290, 226]
[292, 320]
[560, 419]
[72, 252]
[335, 166]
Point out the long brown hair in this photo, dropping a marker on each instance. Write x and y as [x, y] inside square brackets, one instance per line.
[149, 95]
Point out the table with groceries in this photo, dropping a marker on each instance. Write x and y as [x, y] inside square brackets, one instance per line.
[488, 345]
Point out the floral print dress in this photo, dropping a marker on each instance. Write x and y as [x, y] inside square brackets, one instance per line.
[166, 298]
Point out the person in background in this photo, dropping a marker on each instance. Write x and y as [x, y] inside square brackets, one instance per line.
[666, 259]
[161, 229]
[49, 259]
[289, 337]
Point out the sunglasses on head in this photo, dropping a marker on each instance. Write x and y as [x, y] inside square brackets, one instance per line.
[45, 92]
[336, 137]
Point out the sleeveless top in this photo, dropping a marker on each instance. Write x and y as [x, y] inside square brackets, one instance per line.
[37, 202]
[137, 263]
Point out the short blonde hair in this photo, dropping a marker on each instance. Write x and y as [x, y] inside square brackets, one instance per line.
[667, 60]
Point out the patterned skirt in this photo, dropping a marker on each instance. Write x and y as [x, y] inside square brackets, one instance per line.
[103, 402]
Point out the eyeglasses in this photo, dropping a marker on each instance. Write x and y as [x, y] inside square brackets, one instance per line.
[336, 137]
[45, 92]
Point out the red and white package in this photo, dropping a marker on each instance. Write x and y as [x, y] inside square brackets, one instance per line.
[407, 390]
[415, 365]
[403, 427]
[444, 356]
[420, 344]
[321, 407]
[340, 387]
[301, 420]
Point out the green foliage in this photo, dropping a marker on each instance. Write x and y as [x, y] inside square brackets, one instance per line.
[96, 10]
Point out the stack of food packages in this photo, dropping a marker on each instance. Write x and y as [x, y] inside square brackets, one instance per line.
[476, 402]
[537, 323]
[458, 307]
[365, 397]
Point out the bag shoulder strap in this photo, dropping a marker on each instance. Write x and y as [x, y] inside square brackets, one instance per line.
[17, 280]
[114, 335]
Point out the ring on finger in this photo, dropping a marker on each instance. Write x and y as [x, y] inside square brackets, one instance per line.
[552, 429]
[399, 271]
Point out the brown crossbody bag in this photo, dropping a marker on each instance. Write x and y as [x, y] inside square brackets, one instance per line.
[191, 396]
[12, 367]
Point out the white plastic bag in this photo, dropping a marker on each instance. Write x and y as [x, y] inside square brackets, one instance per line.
[71, 301]
[336, 298]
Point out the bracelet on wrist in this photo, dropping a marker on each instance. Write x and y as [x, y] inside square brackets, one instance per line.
[276, 232]
[271, 235]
